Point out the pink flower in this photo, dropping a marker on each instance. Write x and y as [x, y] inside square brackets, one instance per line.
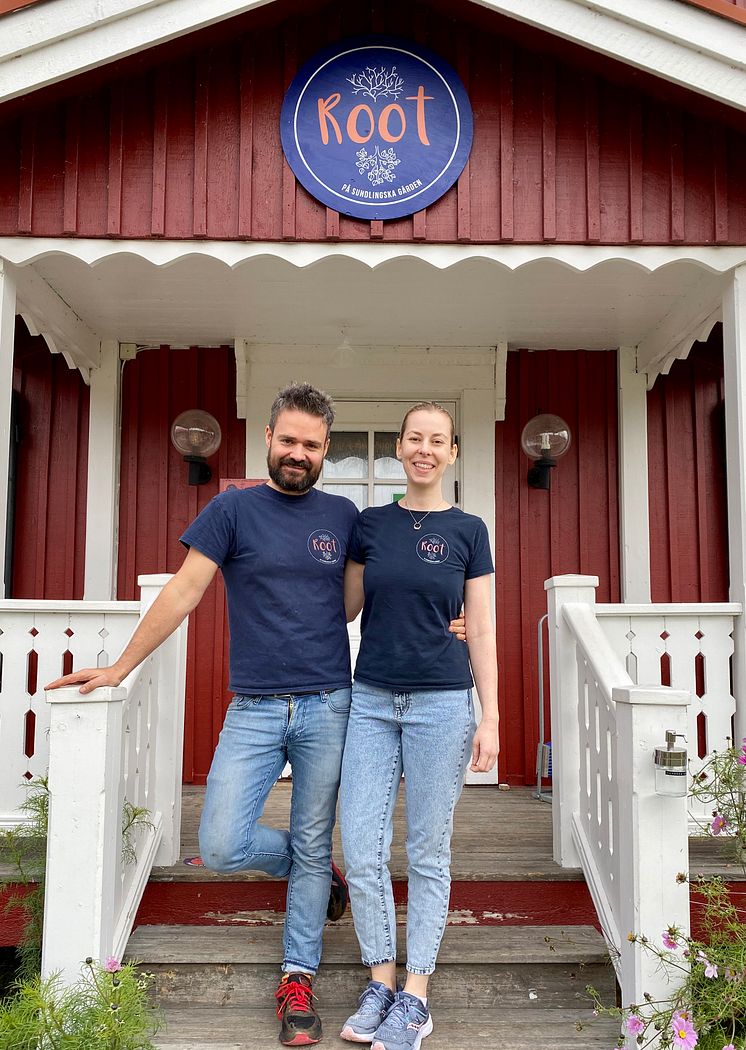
[669, 940]
[711, 969]
[684, 1034]
[112, 965]
[729, 1046]
[635, 1024]
[719, 824]
[741, 760]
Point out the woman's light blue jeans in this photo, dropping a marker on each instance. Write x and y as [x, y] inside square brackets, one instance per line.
[260, 734]
[427, 735]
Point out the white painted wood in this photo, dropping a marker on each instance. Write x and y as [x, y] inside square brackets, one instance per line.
[272, 295]
[93, 634]
[111, 747]
[673, 336]
[243, 376]
[102, 507]
[169, 745]
[563, 673]
[84, 840]
[653, 836]
[67, 37]
[501, 370]
[692, 48]
[47, 313]
[734, 354]
[7, 340]
[630, 842]
[477, 457]
[685, 45]
[634, 517]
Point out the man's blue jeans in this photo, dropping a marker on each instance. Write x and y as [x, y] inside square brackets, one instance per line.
[427, 735]
[260, 734]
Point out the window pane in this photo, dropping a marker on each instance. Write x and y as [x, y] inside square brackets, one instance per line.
[386, 463]
[383, 494]
[357, 493]
[347, 456]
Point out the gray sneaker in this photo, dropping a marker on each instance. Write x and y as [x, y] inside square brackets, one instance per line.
[372, 1007]
[405, 1025]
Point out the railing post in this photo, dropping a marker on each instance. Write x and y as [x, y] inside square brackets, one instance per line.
[563, 678]
[85, 828]
[169, 734]
[653, 836]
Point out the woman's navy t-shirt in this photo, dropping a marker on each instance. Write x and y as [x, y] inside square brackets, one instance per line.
[414, 586]
[282, 559]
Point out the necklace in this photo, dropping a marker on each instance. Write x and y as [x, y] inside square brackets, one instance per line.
[417, 522]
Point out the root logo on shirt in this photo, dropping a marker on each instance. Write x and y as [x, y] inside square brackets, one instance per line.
[433, 549]
[324, 547]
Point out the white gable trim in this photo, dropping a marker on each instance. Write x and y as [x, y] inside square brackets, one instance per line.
[41, 45]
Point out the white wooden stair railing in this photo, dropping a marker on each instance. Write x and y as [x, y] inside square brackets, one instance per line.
[101, 750]
[630, 842]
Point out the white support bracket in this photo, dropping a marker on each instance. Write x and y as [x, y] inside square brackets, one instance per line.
[47, 314]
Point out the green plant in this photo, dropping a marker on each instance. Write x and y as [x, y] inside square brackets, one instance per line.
[707, 1008]
[107, 1009]
[25, 846]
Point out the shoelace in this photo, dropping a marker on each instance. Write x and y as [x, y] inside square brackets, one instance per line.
[295, 997]
[370, 997]
[399, 1014]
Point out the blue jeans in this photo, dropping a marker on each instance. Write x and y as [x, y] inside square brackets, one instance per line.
[427, 735]
[260, 734]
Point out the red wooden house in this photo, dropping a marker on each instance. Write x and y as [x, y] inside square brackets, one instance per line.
[158, 254]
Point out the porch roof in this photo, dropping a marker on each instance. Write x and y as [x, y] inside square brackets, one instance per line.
[351, 296]
[691, 45]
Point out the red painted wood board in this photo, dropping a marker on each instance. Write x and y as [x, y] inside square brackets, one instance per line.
[157, 504]
[49, 533]
[183, 141]
[687, 484]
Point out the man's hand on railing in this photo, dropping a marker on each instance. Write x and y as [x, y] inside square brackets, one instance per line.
[89, 678]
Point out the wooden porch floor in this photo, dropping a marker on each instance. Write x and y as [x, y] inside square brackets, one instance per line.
[499, 836]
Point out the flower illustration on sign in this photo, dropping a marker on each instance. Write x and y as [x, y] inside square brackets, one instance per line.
[380, 164]
[377, 83]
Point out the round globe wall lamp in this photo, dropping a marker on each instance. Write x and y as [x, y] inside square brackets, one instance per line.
[544, 439]
[196, 435]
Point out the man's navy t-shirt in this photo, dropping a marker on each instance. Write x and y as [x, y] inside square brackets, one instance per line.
[282, 559]
[414, 586]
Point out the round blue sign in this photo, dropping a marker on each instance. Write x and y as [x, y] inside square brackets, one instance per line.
[376, 128]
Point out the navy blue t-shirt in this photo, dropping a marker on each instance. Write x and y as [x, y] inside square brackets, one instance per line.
[414, 586]
[282, 559]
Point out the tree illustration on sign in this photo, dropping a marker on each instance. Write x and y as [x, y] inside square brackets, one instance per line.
[380, 164]
[377, 83]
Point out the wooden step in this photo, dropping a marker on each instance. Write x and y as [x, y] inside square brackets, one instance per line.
[239, 1028]
[478, 966]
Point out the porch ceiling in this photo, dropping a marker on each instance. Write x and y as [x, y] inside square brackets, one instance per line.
[386, 295]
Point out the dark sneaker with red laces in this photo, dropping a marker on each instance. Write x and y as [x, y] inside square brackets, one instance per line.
[338, 895]
[301, 1025]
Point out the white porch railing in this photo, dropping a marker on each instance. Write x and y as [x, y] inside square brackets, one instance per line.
[687, 646]
[101, 749]
[630, 842]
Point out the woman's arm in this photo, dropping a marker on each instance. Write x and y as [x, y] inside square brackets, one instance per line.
[354, 594]
[483, 658]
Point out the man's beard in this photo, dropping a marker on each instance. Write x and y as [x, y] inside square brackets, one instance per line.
[291, 481]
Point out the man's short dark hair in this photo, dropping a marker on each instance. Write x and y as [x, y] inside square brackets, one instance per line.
[302, 397]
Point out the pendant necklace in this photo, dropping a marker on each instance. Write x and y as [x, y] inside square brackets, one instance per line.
[417, 522]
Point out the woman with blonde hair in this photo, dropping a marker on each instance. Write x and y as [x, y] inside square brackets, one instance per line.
[412, 565]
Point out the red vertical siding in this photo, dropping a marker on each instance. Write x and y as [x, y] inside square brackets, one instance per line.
[686, 455]
[49, 533]
[156, 505]
[571, 528]
[183, 141]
